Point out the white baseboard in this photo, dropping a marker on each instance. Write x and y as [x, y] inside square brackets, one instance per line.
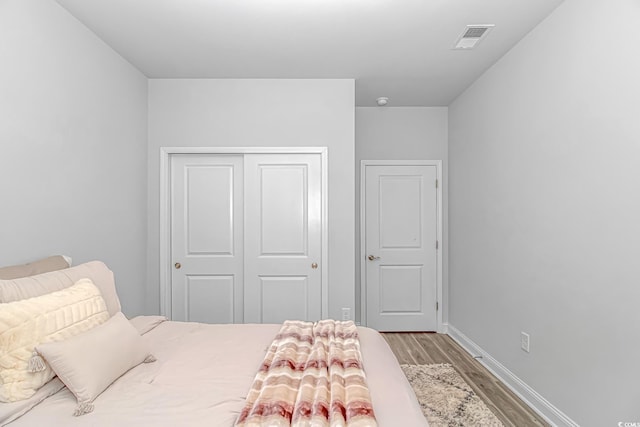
[538, 403]
[444, 328]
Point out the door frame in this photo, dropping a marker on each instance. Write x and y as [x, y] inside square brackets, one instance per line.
[165, 211]
[363, 243]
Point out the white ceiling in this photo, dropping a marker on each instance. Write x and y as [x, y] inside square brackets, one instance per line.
[401, 49]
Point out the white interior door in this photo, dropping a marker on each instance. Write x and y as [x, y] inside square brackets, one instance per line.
[207, 238]
[401, 217]
[283, 222]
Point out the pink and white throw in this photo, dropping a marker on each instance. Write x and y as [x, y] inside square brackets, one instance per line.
[312, 375]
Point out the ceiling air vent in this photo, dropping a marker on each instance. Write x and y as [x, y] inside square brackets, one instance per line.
[472, 35]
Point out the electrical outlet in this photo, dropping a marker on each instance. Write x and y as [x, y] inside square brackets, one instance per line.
[524, 341]
[346, 314]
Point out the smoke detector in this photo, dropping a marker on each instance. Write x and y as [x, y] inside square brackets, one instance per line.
[472, 35]
[382, 101]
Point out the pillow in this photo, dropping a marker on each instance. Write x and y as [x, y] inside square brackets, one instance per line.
[89, 362]
[25, 324]
[144, 324]
[28, 287]
[45, 265]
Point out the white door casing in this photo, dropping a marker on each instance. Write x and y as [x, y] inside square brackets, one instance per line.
[201, 294]
[282, 237]
[400, 237]
[207, 238]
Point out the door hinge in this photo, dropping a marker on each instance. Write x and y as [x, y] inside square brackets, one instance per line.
[437, 306]
[437, 245]
[436, 183]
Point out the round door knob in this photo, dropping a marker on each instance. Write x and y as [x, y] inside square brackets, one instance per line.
[373, 258]
[314, 265]
[178, 265]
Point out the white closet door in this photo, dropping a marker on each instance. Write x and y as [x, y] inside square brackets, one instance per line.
[207, 238]
[282, 237]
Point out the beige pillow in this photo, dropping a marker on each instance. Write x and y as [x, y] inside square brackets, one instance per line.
[144, 324]
[29, 287]
[26, 323]
[88, 363]
[45, 265]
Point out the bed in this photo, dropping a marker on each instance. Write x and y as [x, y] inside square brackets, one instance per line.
[200, 377]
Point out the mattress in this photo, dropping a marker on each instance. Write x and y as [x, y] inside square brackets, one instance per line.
[202, 375]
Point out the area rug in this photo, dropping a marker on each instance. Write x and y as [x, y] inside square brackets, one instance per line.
[446, 399]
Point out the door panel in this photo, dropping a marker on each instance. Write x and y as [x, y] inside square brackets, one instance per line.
[207, 237]
[209, 214]
[282, 237]
[283, 200]
[209, 299]
[401, 233]
[400, 228]
[401, 289]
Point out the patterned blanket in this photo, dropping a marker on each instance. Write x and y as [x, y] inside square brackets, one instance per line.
[311, 376]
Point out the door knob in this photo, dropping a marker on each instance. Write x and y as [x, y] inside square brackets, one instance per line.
[177, 265]
[373, 258]
[314, 265]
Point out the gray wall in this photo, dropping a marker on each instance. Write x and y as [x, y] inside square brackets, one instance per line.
[72, 146]
[401, 133]
[545, 206]
[262, 113]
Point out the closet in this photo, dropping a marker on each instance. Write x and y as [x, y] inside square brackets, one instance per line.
[245, 237]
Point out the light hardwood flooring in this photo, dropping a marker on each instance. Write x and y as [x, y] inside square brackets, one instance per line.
[425, 348]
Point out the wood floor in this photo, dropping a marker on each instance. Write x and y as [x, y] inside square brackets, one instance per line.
[425, 348]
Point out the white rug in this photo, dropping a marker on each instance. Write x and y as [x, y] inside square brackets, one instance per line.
[446, 399]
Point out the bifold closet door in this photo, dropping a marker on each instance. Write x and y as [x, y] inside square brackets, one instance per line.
[207, 238]
[246, 237]
[283, 207]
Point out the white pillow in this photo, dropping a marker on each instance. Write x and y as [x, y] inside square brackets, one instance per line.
[144, 324]
[88, 363]
[29, 322]
[34, 286]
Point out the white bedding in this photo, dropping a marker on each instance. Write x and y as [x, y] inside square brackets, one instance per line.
[201, 378]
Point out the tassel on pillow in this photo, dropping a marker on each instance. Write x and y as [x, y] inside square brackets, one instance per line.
[36, 363]
[83, 408]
